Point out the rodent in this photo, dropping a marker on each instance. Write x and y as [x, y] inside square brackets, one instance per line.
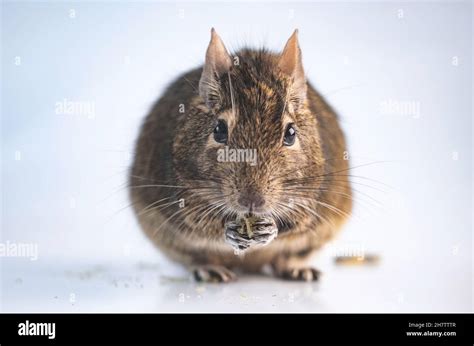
[184, 197]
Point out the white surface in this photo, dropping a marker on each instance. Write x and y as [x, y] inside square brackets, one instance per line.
[392, 286]
[66, 192]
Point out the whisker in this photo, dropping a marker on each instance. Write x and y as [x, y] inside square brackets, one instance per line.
[333, 208]
[154, 203]
[156, 185]
[160, 207]
[359, 166]
[231, 94]
[166, 221]
[316, 214]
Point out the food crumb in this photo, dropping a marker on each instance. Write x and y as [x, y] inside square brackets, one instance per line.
[369, 259]
[200, 289]
[171, 279]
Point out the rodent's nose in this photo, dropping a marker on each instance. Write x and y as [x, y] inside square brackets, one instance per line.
[251, 200]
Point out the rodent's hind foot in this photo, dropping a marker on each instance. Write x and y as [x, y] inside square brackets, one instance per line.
[299, 274]
[213, 273]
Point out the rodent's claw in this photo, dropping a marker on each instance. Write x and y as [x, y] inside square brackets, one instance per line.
[300, 274]
[265, 238]
[213, 273]
[268, 230]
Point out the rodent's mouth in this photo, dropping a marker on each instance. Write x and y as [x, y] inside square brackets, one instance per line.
[261, 212]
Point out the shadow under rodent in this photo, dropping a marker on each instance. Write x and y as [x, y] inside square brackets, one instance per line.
[290, 201]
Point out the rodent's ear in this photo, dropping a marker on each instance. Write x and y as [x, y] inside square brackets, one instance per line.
[218, 62]
[291, 64]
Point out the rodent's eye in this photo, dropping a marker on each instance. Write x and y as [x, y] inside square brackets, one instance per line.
[220, 132]
[290, 135]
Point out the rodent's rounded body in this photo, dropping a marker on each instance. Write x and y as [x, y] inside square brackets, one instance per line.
[169, 189]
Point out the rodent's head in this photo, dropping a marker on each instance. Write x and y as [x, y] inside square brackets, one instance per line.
[249, 138]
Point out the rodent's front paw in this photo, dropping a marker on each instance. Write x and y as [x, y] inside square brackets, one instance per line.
[242, 234]
[264, 231]
[235, 238]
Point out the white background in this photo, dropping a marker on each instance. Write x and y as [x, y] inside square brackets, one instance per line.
[64, 175]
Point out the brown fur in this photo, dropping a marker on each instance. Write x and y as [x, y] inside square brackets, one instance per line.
[176, 159]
